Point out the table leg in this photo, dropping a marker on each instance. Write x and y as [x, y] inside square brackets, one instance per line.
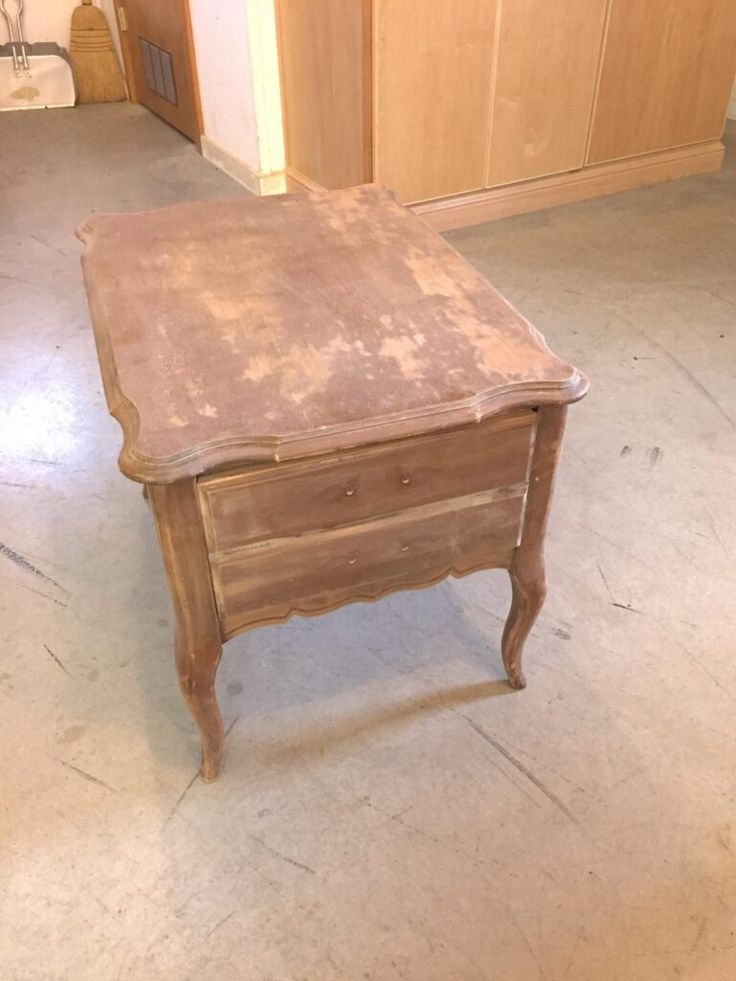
[528, 578]
[198, 638]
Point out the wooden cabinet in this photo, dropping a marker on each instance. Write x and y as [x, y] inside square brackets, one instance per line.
[666, 76]
[477, 109]
[545, 75]
[432, 97]
[325, 89]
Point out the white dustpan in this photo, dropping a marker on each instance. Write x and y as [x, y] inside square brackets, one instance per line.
[32, 76]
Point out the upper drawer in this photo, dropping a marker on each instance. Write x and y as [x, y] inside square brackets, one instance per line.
[288, 499]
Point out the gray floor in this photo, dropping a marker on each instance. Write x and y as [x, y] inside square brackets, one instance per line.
[387, 809]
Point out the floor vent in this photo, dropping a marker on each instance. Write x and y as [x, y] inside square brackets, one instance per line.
[159, 71]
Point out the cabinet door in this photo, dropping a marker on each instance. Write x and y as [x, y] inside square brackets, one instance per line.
[324, 55]
[666, 76]
[432, 84]
[547, 62]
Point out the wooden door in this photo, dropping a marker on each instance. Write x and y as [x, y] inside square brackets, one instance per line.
[157, 45]
[432, 85]
[546, 68]
[666, 76]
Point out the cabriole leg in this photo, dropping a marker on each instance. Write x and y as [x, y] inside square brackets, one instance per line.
[198, 638]
[528, 579]
[197, 668]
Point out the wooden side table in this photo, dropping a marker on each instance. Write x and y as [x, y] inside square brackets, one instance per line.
[326, 403]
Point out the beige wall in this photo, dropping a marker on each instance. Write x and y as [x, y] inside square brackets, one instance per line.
[237, 67]
[49, 20]
[225, 73]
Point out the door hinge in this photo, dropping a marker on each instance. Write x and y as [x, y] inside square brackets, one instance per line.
[122, 18]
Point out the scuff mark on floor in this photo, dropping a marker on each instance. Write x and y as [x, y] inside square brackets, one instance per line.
[52, 599]
[84, 774]
[221, 922]
[626, 606]
[55, 658]
[695, 382]
[284, 858]
[22, 562]
[182, 795]
[525, 771]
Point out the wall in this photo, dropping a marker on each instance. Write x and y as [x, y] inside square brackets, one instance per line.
[49, 20]
[224, 70]
[237, 68]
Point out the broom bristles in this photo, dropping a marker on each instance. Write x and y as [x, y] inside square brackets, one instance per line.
[95, 62]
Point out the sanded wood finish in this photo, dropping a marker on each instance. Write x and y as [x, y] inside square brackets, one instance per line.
[544, 81]
[325, 404]
[349, 323]
[325, 82]
[431, 95]
[315, 573]
[528, 576]
[666, 75]
[198, 637]
[338, 489]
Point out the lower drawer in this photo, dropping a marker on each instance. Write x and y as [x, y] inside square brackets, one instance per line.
[269, 581]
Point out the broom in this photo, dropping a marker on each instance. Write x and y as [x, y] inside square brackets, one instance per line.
[96, 67]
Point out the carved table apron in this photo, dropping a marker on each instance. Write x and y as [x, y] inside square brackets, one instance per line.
[326, 404]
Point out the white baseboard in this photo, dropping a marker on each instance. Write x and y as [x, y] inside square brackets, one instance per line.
[239, 170]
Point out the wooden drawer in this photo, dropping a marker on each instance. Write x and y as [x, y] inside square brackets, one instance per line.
[319, 571]
[290, 499]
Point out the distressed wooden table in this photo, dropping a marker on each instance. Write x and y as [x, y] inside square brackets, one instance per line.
[326, 403]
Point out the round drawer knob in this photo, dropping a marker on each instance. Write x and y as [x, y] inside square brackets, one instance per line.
[404, 548]
[405, 480]
[352, 560]
[349, 491]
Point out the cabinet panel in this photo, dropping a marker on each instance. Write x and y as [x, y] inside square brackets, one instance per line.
[666, 76]
[548, 55]
[324, 53]
[432, 71]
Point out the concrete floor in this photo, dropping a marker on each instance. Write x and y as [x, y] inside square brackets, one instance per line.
[388, 809]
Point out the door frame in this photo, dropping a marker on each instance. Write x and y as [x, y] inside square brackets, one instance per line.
[121, 26]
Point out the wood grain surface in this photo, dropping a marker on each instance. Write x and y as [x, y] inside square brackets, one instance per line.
[325, 85]
[666, 76]
[543, 90]
[339, 489]
[311, 574]
[198, 640]
[268, 328]
[432, 95]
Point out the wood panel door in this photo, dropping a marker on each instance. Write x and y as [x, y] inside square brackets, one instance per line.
[666, 76]
[546, 69]
[325, 62]
[156, 39]
[431, 90]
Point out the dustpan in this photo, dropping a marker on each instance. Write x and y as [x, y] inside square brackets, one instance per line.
[32, 76]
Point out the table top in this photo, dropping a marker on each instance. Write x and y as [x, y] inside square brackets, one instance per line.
[276, 327]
